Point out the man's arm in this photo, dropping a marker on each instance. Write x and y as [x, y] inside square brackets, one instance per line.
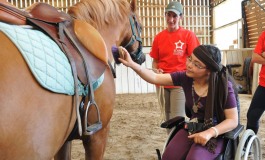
[155, 67]
[154, 64]
[258, 58]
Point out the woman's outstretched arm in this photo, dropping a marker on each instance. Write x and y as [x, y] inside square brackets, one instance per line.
[146, 74]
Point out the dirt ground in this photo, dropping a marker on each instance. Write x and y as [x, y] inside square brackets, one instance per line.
[135, 133]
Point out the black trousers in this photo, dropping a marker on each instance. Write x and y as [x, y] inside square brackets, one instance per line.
[256, 109]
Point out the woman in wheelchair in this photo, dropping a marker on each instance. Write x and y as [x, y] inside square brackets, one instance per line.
[210, 100]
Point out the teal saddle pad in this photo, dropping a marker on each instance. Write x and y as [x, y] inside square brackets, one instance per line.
[45, 59]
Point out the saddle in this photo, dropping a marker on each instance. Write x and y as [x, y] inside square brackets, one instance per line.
[48, 19]
[88, 61]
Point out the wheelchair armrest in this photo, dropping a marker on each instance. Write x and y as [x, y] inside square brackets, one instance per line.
[233, 65]
[234, 133]
[172, 122]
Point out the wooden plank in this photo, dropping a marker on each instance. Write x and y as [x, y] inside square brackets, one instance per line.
[196, 15]
[255, 21]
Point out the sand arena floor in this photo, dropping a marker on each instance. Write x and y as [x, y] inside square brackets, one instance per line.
[135, 131]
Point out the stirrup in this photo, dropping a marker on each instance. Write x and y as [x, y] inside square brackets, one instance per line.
[91, 129]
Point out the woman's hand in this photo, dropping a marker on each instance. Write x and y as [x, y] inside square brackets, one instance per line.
[202, 137]
[146, 74]
[126, 58]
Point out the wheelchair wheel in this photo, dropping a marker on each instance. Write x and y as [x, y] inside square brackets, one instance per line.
[248, 140]
[170, 136]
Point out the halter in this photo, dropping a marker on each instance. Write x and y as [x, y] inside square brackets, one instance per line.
[136, 55]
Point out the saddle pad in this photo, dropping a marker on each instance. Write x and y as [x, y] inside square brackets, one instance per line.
[45, 59]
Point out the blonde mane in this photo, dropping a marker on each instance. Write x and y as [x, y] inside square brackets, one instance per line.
[100, 13]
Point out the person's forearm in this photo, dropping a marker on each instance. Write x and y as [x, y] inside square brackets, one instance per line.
[144, 73]
[226, 126]
[257, 58]
[155, 67]
[147, 74]
[154, 64]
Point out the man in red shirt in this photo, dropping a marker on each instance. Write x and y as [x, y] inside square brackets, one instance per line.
[257, 106]
[170, 49]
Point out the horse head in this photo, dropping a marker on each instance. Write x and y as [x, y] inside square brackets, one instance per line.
[132, 41]
[119, 27]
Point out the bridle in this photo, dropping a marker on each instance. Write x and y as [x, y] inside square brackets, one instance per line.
[136, 55]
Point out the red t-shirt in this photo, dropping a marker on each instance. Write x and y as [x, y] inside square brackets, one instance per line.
[171, 49]
[260, 47]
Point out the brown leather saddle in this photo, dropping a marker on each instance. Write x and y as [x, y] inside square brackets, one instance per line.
[49, 20]
[88, 60]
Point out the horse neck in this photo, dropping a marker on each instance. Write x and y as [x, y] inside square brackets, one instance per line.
[112, 37]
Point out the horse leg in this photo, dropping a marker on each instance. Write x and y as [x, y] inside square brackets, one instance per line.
[95, 146]
[104, 96]
[65, 152]
[34, 122]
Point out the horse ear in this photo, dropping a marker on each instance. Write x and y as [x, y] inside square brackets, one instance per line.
[133, 5]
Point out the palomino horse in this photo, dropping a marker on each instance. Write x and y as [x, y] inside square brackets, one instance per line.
[34, 122]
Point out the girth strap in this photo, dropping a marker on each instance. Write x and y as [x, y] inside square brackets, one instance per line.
[74, 71]
[88, 130]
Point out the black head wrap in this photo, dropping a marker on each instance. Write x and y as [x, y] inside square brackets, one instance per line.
[217, 91]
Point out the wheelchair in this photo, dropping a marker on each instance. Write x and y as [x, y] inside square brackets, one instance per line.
[237, 146]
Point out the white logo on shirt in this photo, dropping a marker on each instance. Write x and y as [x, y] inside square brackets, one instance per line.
[178, 50]
[179, 44]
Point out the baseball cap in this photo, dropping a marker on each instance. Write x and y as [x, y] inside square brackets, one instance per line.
[175, 7]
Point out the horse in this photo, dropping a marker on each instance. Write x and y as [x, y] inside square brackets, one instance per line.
[35, 123]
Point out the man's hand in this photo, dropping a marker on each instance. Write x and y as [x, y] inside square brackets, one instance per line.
[159, 71]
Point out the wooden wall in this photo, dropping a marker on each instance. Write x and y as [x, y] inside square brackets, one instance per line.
[196, 16]
[254, 21]
[60, 4]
